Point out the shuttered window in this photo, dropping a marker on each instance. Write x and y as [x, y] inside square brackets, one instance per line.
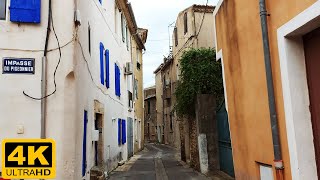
[124, 134]
[119, 131]
[84, 144]
[101, 64]
[117, 80]
[107, 55]
[25, 11]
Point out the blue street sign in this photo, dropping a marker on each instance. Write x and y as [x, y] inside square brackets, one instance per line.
[18, 66]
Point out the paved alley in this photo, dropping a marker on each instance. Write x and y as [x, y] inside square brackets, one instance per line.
[157, 162]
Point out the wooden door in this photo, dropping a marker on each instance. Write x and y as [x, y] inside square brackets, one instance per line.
[312, 56]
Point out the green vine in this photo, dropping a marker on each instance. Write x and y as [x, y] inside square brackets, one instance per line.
[200, 74]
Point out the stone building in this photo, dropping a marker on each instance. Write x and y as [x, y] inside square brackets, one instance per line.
[193, 29]
[150, 115]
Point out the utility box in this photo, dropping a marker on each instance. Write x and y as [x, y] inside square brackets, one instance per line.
[25, 11]
[95, 135]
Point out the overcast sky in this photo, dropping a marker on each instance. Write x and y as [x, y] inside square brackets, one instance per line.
[156, 16]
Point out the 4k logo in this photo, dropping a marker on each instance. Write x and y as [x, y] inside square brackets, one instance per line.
[28, 158]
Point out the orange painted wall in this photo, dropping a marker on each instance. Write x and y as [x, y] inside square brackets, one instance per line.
[239, 36]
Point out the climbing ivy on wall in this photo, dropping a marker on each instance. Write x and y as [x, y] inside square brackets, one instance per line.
[200, 74]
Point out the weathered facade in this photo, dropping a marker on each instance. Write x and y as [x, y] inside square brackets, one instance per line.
[86, 111]
[150, 114]
[193, 29]
[159, 105]
[294, 52]
[138, 96]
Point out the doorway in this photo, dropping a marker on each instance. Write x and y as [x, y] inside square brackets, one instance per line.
[98, 124]
[311, 42]
[224, 140]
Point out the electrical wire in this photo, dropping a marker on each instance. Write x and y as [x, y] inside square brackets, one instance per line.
[57, 66]
[39, 50]
[90, 73]
[204, 14]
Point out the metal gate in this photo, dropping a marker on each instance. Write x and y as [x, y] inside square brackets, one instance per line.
[225, 148]
[130, 137]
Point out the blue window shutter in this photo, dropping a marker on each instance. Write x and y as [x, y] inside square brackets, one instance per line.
[119, 131]
[119, 83]
[84, 143]
[124, 137]
[101, 64]
[116, 79]
[107, 54]
[25, 11]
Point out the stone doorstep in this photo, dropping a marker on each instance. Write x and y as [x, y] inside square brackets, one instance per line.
[97, 173]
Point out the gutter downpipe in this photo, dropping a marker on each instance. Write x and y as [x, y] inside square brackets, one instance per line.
[44, 78]
[278, 163]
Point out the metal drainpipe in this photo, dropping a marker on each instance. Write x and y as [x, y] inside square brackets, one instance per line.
[44, 78]
[278, 163]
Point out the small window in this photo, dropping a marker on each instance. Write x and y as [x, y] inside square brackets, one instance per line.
[138, 66]
[148, 106]
[116, 19]
[3, 8]
[123, 30]
[100, 1]
[127, 37]
[130, 102]
[136, 88]
[176, 36]
[185, 18]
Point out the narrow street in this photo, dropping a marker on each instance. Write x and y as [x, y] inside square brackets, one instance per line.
[155, 162]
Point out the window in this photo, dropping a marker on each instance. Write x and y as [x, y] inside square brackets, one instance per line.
[123, 30]
[149, 106]
[124, 134]
[25, 11]
[3, 8]
[117, 80]
[100, 1]
[102, 64]
[185, 19]
[130, 102]
[136, 88]
[84, 143]
[127, 39]
[89, 38]
[138, 66]
[116, 19]
[119, 131]
[175, 31]
[122, 139]
[107, 55]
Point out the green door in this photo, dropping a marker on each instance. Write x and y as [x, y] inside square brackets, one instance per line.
[225, 148]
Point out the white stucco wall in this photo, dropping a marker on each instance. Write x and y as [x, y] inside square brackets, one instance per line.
[76, 91]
